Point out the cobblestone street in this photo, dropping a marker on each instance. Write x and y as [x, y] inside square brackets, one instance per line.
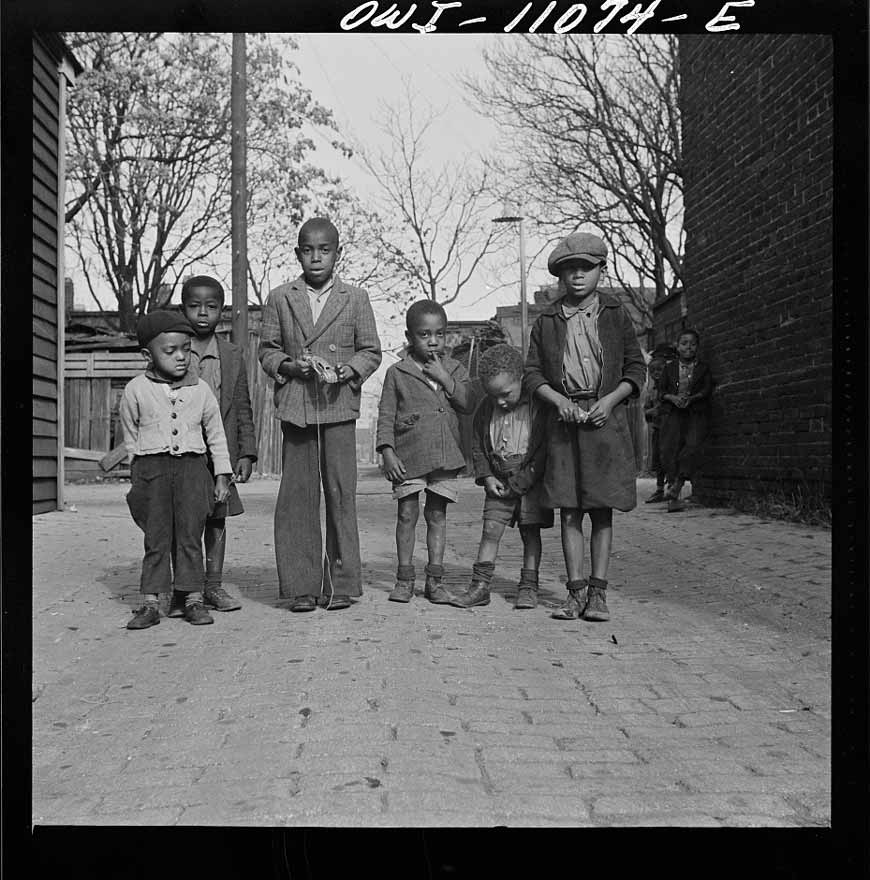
[704, 701]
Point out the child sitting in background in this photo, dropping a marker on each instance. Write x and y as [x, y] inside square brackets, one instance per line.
[509, 447]
[418, 436]
[171, 419]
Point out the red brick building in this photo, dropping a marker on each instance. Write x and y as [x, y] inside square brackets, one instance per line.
[757, 151]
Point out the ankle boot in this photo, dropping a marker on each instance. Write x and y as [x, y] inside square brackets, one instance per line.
[527, 589]
[434, 591]
[478, 590]
[404, 588]
[596, 607]
[575, 604]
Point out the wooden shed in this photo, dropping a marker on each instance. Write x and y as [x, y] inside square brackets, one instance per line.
[54, 68]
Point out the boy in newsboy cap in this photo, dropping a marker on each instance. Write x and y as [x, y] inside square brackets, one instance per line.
[165, 413]
[584, 361]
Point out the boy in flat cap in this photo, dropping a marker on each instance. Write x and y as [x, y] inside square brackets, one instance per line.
[171, 419]
[584, 361]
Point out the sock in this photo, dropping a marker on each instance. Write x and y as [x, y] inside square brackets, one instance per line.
[192, 597]
[405, 572]
[528, 577]
[579, 584]
[150, 598]
[598, 582]
[212, 581]
[435, 571]
[483, 571]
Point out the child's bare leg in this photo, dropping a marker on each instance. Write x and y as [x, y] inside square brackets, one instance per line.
[435, 513]
[215, 539]
[572, 547]
[489, 540]
[406, 528]
[531, 536]
[599, 553]
[572, 541]
[527, 590]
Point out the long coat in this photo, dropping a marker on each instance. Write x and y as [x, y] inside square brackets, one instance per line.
[587, 467]
[345, 333]
[419, 422]
[235, 402]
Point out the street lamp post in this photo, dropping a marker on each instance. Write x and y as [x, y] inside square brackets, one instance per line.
[511, 214]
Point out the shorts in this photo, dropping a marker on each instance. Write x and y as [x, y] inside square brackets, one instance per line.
[439, 482]
[526, 510]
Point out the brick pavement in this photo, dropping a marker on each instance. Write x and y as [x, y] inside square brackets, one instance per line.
[704, 701]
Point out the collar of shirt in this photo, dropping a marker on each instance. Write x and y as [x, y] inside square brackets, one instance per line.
[210, 350]
[324, 291]
[591, 307]
[189, 378]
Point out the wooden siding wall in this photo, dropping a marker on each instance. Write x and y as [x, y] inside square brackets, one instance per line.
[46, 98]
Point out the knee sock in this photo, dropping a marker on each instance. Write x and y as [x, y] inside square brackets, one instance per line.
[600, 583]
[435, 571]
[577, 585]
[483, 571]
[405, 572]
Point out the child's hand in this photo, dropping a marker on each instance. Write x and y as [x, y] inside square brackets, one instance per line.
[244, 467]
[221, 488]
[566, 408]
[345, 373]
[600, 412]
[494, 487]
[298, 369]
[394, 470]
[434, 369]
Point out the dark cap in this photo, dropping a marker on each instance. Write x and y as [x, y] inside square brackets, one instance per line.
[579, 246]
[155, 323]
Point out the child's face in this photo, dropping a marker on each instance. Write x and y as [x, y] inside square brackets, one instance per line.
[202, 307]
[505, 389]
[169, 355]
[318, 252]
[426, 338]
[656, 368]
[687, 347]
[580, 277]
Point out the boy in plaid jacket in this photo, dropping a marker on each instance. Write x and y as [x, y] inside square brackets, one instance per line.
[315, 320]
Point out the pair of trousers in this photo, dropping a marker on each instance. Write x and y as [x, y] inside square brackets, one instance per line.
[302, 569]
[681, 440]
[170, 499]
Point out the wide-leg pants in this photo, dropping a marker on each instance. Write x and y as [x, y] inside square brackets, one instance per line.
[302, 568]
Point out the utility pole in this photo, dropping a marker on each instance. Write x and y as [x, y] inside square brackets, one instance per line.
[239, 191]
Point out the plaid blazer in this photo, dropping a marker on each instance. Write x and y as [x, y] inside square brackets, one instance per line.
[420, 423]
[345, 333]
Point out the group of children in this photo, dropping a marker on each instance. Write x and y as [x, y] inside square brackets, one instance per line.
[550, 432]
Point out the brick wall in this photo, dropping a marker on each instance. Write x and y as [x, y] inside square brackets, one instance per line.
[757, 149]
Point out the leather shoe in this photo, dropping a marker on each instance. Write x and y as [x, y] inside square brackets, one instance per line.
[658, 495]
[219, 599]
[476, 594]
[176, 604]
[196, 614]
[146, 616]
[303, 603]
[403, 591]
[436, 592]
[335, 603]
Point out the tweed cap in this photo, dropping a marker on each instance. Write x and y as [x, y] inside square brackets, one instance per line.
[163, 321]
[578, 246]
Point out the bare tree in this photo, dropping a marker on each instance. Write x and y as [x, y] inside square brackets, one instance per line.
[148, 154]
[437, 227]
[593, 124]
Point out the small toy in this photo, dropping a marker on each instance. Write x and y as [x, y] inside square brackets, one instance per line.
[326, 372]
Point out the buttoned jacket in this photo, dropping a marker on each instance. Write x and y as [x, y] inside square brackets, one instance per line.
[701, 384]
[420, 422]
[622, 357]
[153, 424]
[235, 403]
[344, 333]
